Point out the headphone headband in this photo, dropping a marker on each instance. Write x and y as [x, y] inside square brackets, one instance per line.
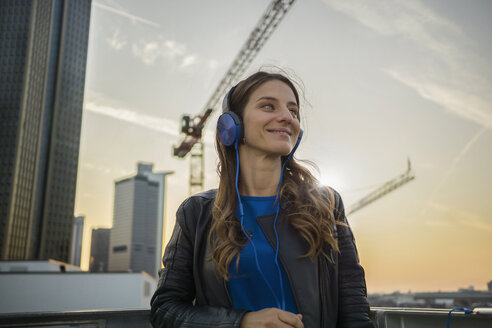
[227, 100]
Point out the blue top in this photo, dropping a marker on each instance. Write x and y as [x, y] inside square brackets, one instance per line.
[247, 288]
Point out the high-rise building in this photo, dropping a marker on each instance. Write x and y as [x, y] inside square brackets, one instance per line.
[99, 250]
[43, 51]
[138, 221]
[77, 233]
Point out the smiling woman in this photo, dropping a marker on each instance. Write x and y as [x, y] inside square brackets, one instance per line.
[271, 126]
[270, 247]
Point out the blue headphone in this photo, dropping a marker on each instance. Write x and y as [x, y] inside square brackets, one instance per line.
[230, 130]
[230, 126]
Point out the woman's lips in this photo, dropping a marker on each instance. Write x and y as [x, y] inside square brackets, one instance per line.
[282, 132]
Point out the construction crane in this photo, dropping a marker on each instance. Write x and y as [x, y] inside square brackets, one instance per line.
[192, 127]
[383, 190]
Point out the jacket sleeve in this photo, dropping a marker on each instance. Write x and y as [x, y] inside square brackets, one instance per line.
[353, 308]
[172, 304]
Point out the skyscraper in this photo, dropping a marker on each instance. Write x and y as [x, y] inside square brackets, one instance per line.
[43, 50]
[76, 247]
[99, 250]
[138, 219]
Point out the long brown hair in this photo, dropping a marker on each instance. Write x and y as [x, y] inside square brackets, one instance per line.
[310, 208]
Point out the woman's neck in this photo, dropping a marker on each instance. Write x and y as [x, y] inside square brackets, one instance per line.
[259, 175]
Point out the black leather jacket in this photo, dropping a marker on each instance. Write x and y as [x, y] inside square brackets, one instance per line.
[191, 294]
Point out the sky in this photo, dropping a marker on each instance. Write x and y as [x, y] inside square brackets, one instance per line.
[382, 81]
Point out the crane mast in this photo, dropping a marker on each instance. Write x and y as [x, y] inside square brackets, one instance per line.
[384, 189]
[192, 127]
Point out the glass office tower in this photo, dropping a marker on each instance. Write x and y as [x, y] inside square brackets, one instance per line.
[43, 51]
[138, 222]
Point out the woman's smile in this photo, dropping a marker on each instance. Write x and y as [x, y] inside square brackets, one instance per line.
[280, 132]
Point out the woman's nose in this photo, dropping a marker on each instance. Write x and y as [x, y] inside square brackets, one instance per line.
[285, 114]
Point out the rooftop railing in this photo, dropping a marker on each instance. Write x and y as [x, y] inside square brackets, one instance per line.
[382, 318]
[426, 317]
[121, 318]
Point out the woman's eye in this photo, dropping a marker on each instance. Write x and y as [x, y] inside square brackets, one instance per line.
[293, 112]
[268, 106]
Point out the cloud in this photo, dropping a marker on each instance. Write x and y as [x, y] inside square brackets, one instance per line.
[158, 124]
[188, 61]
[458, 218]
[453, 166]
[163, 125]
[457, 159]
[468, 145]
[116, 41]
[147, 52]
[466, 105]
[151, 51]
[122, 13]
[172, 49]
[451, 76]
[398, 18]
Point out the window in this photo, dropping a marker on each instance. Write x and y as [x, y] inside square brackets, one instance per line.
[119, 249]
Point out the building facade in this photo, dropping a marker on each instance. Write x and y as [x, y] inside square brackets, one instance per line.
[47, 286]
[98, 261]
[37, 266]
[43, 51]
[138, 220]
[77, 234]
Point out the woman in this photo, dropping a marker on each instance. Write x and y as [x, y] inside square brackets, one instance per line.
[269, 247]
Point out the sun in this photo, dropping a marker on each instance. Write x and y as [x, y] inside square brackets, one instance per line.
[332, 179]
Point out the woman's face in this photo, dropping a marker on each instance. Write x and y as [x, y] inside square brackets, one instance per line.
[271, 119]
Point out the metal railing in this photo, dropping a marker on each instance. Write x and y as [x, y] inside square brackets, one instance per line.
[122, 318]
[428, 317]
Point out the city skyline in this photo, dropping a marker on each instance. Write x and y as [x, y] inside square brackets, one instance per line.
[382, 82]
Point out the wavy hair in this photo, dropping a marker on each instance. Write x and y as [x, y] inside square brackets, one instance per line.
[309, 208]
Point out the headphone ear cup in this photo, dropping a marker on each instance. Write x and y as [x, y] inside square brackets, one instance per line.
[229, 128]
